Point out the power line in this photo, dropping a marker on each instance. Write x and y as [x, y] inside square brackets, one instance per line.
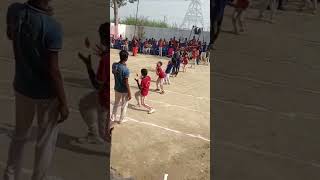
[193, 16]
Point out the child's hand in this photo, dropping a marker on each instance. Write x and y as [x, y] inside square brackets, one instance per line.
[99, 51]
[137, 77]
[85, 60]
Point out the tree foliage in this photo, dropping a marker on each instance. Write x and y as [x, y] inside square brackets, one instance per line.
[119, 2]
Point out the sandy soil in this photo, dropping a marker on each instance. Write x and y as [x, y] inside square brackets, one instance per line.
[149, 146]
[140, 149]
[266, 99]
[71, 161]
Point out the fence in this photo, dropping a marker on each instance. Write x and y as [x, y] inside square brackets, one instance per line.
[154, 32]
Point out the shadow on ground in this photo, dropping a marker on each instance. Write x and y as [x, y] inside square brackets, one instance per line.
[65, 141]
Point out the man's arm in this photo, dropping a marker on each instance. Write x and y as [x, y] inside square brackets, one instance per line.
[9, 32]
[114, 68]
[11, 13]
[92, 75]
[139, 85]
[56, 77]
[93, 79]
[126, 80]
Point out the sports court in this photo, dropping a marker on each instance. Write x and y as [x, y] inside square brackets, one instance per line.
[175, 140]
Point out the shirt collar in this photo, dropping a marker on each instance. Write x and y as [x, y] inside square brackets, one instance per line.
[37, 9]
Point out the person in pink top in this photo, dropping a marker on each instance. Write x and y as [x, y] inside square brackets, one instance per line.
[161, 43]
[144, 86]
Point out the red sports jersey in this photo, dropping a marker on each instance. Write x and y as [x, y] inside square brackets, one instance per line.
[160, 72]
[242, 4]
[185, 60]
[160, 43]
[145, 84]
[194, 53]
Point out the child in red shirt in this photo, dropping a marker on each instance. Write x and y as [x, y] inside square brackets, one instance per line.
[185, 61]
[161, 76]
[237, 18]
[144, 90]
[161, 44]
[194, 57]
[94, 106]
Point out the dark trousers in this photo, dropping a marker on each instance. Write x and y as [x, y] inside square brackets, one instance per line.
[280, 3]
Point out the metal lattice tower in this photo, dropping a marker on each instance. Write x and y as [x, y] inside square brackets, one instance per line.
[193, 16]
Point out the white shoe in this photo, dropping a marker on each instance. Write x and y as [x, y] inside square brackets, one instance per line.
[151, 111]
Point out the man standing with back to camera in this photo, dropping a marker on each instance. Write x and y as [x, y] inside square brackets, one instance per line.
[38, 85]
[216, 18]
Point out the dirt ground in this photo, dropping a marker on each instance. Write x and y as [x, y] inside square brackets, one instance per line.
[266, 98]
[71, 161]
[175, 140]
[145, 147]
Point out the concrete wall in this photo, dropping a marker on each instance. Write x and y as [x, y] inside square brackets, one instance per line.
[157, 33]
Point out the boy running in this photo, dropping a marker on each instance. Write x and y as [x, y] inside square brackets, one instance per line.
[237, 18]
[144, 90]
[185, 61]
[161, 76]
[176, 67]
[194, 58]
[272, 4]
[168, 72]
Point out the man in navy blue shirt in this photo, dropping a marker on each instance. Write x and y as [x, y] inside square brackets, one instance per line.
[217, 11]
[38, 85]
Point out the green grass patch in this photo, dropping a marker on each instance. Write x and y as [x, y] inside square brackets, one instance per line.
[143, 21]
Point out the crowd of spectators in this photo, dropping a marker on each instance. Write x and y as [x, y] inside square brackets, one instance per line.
[161, 47]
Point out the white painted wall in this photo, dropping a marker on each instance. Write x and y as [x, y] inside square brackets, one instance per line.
[157, 33]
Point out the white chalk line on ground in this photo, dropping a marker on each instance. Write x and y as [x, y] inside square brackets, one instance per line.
[168, 129]
[261, 108]
[160, 102]
[140, 122]
[82, 73]
[24, 170]
[229, 144]
[172, 105]
[313, 163]
[270, 83]
[29, 171]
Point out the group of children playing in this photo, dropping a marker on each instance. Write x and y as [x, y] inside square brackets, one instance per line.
[172, 70]
[240, 6]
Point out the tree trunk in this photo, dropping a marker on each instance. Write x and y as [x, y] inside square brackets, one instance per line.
[116, 18]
